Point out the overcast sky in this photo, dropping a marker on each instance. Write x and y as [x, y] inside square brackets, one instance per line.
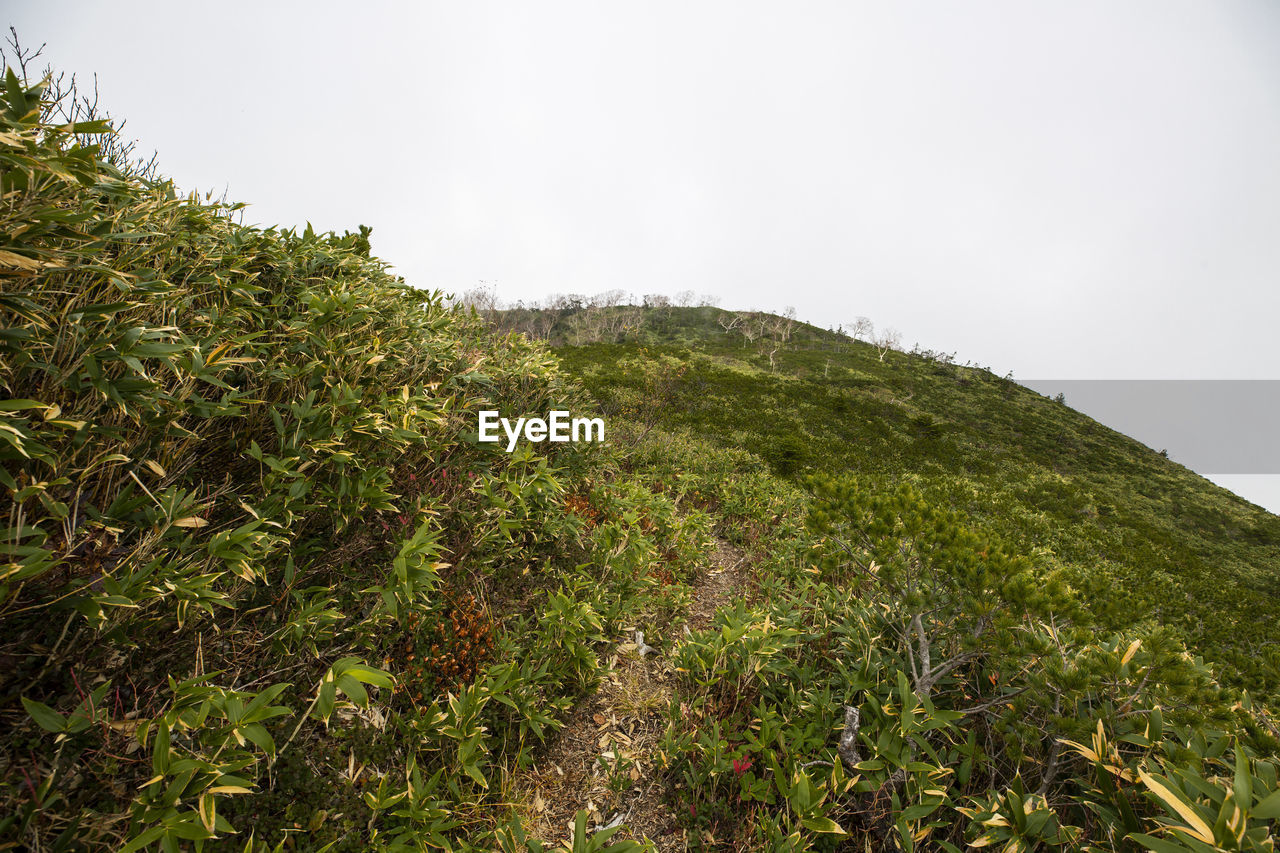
[1072, 190]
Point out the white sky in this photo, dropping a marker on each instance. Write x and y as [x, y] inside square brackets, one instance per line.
[1065, 190]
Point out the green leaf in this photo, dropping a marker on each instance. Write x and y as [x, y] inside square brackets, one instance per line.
[1159, 845]
[1267, 809]
[160, 750]
[45, 717]
[90, 127]
[370, 675]
[472, 770]
[260, 737]
[351, 687]
[144, 839]
[19, 405]
[824, 825]
[918, 811]
[326, 700]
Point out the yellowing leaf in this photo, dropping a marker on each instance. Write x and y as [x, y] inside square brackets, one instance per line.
[1128, 656]
[155, 468]
[1199, 828]
[1080, 748]
[14, 261]
[212, 358]
[207, 811]
[191, 521]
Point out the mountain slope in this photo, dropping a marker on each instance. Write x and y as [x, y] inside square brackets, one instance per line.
[1139, 537]
[262, 587]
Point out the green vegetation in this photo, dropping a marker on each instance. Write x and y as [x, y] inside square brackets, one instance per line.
[262, 587]
[1139, 538]
[902, 677]
[256, 577]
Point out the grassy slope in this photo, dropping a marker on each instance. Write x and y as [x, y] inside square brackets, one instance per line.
[1142, 537]
[258, 579]
[254, 576]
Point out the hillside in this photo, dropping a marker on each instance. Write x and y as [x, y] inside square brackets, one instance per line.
[264, 589]
[1141, 538]
[259, 582]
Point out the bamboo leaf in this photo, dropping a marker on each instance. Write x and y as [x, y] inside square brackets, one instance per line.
[1179, 804]
[45, 717]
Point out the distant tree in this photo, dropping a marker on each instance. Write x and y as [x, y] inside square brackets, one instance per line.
[889, 339]
[777, 327]
[660, 305]
[862, 328]
[609, 298]
[762, 322]
[536, 320]
[569, 303]
[630, 320]
[788, 323]
[542, 321]
[483, 299]
[685, 298]
[588, 325]
[729, 320]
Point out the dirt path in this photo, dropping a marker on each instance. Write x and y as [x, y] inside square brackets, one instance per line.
[602, 760]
